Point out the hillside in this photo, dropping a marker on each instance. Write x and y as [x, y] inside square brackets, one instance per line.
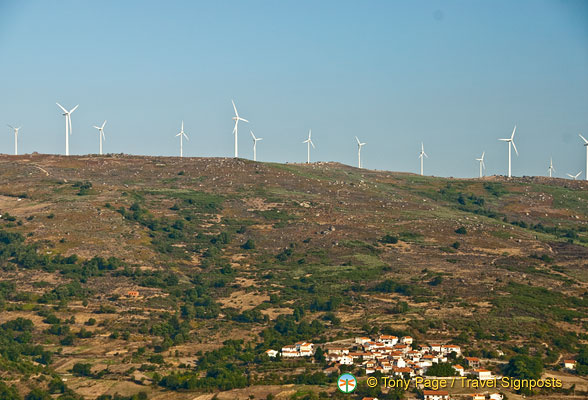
[173, 276]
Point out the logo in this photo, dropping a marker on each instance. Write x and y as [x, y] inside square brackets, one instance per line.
[347, 383]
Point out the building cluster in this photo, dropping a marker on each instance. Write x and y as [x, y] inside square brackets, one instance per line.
[395, 356]
[389, 355]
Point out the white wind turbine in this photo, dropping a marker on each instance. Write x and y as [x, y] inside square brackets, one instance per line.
[309, 143]
[182, 135]
[255, 139]
[482, 165]
[101, 134]
[236, 118]
[422, 154]
[574, 177]
[551, 167]
[586, 145]
[15, 138]
[68, 129]
[359, 146]
[510, 141]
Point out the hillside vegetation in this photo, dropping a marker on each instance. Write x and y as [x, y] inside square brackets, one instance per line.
[158, 277]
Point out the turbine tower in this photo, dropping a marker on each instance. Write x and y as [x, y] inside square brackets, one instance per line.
[15, 138]
[255, 139]
[182, 135]
[236, 118]
[586, 145]
[421, 154]
[551, 168]
[574, 177]
[101, 134]
[68, 129]
[510, 141]
[482, 165]
[309, 143]
[359, 146]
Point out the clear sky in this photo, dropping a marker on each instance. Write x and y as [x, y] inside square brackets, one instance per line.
[456, 75]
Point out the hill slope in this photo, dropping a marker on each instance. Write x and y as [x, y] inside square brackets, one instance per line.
[147, 263]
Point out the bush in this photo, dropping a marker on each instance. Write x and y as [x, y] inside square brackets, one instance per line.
[461, 231]
[389, 239]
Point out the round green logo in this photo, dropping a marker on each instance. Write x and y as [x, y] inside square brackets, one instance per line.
[347, 383]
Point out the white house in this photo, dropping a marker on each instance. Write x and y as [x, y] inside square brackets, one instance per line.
[478, 396]
[346, 360]
[496, 396]
[406, 340]
[362, 340]
[436, 348]
[271, 353]
[449, 348]
[388, 340]
[460, 370]
[483, 374]
[305, 349]
[436, 395]
[570, 364]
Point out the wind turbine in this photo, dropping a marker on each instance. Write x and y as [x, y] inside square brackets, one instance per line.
[421, 154]
[574, 177]
[182, 135]
[255, 139]
[551, 168]
[482, 165]
[359, 146]
[585, 145]
[68, 129]
[510, 141]
[309, 143]
[101, 134]
[15, 138]
[236, 118]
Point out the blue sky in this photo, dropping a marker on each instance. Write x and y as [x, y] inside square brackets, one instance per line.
[456, 75]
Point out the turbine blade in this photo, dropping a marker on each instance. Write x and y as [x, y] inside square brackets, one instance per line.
[186, 136]
[10, 126]
[583, 138]
[309, 134]
[358, 142]
[513, 133]
[243, 119]
[60, 106]
[312, 145]
[235, 108]
[97, 127]
[252, 135]
[504, 140]
[73, 109]
[515, 147]
[103, 124]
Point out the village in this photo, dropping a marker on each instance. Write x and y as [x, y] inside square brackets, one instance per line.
[395, 358]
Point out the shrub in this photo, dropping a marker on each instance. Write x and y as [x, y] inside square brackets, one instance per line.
[389, 239]
[461, 231]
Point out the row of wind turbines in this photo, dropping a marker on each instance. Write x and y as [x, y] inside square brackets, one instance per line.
[182, 135]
